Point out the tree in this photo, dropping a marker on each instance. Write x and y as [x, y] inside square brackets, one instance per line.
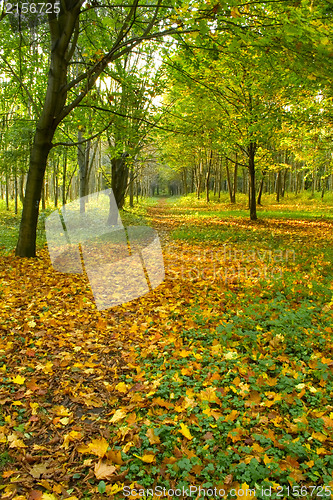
[126, 28]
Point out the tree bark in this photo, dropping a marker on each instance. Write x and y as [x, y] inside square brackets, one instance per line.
[131, 187]
[209, 166]
[252, 173]
[119, 179]
[261, 189]
[278, 186]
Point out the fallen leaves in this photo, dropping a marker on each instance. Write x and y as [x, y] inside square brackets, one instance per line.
[104, 471]
[173, 384]
[184, 430]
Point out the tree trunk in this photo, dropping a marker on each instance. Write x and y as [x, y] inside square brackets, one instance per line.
[278, 186]
[235, 180]
[7, 190]
[50, 117]
[26, 245]
[131, 187]
[119, 179]
[230, 187]
[261, 189]
[55, 184]
[252, 173]
[284, 182]
[209, 166]
[81, 159]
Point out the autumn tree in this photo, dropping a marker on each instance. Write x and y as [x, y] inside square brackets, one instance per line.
[123, 28]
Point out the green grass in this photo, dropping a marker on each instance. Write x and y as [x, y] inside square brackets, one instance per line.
[300, 206]
[10, 223]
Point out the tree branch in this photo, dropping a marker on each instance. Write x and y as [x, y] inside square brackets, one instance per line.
[85, 140]
[22, 84]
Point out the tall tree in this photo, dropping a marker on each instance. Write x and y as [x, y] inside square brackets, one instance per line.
[123, 28]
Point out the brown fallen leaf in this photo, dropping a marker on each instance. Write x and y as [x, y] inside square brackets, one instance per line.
[153, 439]
[103, 470]
[38, 470]
[35, 495]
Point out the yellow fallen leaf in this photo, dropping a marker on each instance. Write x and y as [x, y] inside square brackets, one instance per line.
[104, 471]
[114, 488]
[232, 416]
[185, 431]
[153, 439]
[122, 387]
[148, 459]
[18, 380]
[114, 456]
[61, 411]
[98, 447]
[15, 442]
[127, 446]
[49, 496]
[118, 415]
[82, 448]
[71, 437]
[38, 470]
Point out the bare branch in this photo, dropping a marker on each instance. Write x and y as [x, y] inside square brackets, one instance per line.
[85, 140]
[22, 84]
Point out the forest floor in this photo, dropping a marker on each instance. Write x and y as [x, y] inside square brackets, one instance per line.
[221, 377]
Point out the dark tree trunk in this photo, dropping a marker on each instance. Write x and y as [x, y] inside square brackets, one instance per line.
[50, 117]
[252, 174]
[283, 187]
[209, 166]
[119, 179]
[131, 187]
[261, 189]
[235, 180]
[26, 246]
[229, 182]
[278, 186]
